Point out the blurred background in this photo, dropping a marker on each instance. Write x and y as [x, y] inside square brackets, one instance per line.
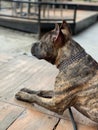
[22, 22]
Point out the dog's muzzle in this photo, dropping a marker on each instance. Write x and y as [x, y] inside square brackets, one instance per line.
[35, 50]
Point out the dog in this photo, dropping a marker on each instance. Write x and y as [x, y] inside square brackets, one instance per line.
[77, 82]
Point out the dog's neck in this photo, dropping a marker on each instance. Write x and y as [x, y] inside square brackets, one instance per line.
[70, 50]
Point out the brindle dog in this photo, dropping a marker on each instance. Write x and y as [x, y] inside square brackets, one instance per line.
[77, 82]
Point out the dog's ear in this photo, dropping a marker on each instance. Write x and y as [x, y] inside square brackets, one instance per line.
[62, 34]
[57, 28]
[65, 28]
[58, 36]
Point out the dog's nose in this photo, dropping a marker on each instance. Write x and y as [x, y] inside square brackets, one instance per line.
[34, 48]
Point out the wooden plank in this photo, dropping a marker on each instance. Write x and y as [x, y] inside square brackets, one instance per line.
[21, 72]
[81, 15]
[8, 114]
[31, 25]
[25, 72]
[34, 120]
[80, 118]
[83, 122]
[29, 72]
[67, 125]
[66, 13]
[4, 58]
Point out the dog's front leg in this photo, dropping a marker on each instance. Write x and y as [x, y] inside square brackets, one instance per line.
[52, 103]
[41, 93]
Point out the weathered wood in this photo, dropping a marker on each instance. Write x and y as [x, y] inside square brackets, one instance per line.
[83, 17]
[67, 125]
[80, 118]
[8, 114]
[27, 72]
[33, 120]
[23, 71]
[4, 58]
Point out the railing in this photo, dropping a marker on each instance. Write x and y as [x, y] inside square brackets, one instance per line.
[38, 11]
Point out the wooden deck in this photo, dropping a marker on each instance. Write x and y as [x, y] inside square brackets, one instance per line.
[28, 24]
[49, 14]
[24, 71]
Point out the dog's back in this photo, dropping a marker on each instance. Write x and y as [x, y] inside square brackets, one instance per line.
[78, 80]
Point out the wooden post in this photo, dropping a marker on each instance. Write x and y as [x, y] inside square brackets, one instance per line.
[21, 8]
[39, 19]
[14, 10]
[0, 4]
[61, 9]
[75, 15]
[29, 7]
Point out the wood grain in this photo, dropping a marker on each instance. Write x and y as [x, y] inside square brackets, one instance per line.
[23, 71]
[67, 125]
[33, 120]
[8, 114]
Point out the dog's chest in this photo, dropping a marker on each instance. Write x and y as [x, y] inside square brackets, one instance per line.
[72, 78]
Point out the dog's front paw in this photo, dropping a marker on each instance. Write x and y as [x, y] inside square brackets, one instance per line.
[24, 96]
[20, 95]
[28, 91]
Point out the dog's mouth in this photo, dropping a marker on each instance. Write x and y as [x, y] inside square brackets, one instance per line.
[37, 56]
[49, 59]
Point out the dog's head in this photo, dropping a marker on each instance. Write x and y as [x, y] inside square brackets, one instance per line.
[47, 47]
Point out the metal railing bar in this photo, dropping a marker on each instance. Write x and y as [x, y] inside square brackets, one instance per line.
[36, 18]
[56, 19]
[45, 3]
[20, 13]
[19, 17]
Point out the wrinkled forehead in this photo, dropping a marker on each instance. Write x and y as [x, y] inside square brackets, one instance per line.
[48, 36]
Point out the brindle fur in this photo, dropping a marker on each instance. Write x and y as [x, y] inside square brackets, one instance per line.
[76, 85]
